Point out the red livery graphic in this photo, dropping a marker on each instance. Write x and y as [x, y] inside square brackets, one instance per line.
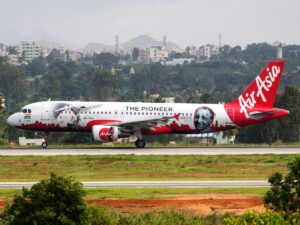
[109, 121]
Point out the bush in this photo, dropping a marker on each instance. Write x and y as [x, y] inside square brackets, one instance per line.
[285, 191]
[270, 217]
[56, 200]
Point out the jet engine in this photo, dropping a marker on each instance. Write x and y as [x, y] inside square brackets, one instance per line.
[105, 133]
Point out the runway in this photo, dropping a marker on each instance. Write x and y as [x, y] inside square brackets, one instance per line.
[152, 151]
[141, 184]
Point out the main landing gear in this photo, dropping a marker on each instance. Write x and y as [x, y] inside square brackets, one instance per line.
[45, 144]
[140, 143]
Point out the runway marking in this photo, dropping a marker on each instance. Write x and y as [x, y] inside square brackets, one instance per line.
[192, 184]
[153, 151]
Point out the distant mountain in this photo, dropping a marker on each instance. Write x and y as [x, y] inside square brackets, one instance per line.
[97, 47]
[141, 41]
[12, 37]
[145, 41]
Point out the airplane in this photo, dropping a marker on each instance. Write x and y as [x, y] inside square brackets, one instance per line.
[109, 121]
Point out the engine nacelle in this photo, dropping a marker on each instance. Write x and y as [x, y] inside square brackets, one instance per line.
[105, 133]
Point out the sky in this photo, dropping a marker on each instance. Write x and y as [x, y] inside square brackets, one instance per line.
[184, 22]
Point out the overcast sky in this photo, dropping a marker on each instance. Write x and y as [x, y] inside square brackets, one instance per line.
[182, 21]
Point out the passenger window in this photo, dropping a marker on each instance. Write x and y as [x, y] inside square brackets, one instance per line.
[24, 110]
[29, 110]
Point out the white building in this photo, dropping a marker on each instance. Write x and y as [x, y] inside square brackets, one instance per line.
[180, 61]
[207, 51]
[192, 50]
[30, 50]
[3, 52]
[157, 53]
[73, 56]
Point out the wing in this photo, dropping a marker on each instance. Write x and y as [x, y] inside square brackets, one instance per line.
[144, 124]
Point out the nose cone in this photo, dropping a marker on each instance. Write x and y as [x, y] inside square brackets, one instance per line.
[11, 120]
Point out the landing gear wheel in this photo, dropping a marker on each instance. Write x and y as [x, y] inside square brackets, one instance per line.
[140, 143]
[44, 144]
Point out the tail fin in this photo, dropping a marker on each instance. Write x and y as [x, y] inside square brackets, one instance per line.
[262, 91]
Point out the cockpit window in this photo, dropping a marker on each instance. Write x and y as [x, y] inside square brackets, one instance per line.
[25, 110]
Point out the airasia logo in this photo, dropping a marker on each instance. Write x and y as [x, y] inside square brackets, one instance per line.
[105, 134]
[262, 86]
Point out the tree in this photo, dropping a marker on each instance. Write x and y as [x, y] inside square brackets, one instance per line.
[56, 200]
[135, 54]
[289, 127]
[105, 59]
[284, 194]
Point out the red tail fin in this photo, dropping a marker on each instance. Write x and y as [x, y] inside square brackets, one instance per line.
[262, 91]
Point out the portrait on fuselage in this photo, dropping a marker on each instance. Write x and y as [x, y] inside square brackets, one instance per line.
[203, 118]
[66, 115]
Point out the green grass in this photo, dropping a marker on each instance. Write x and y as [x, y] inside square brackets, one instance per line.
[147, 193]
[132, 167]
[165, 193]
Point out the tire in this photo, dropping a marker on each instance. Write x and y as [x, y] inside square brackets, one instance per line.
[140, 143]
[44, 145]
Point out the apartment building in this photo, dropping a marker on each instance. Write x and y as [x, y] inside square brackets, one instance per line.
[30, 50]
[207, 51]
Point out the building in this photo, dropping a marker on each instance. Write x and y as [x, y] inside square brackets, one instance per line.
[73, 56]
[30, 50]
[209, 138]
[180, 61]
[142, 55]
[2, 52]
[191, 50]
[207, 51]
[157, 53]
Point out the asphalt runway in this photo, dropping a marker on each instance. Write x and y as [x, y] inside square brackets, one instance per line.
[152, 151]
[191, 184]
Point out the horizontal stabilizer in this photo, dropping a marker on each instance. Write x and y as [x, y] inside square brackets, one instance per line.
[259, 115]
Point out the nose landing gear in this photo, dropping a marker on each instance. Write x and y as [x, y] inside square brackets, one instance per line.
[45, 143]
[140, 143]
